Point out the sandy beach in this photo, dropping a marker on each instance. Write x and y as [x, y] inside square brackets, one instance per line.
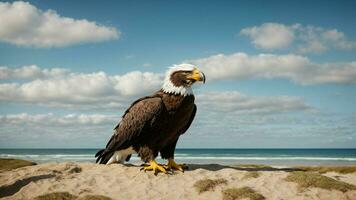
[80, 180]
[177, 100]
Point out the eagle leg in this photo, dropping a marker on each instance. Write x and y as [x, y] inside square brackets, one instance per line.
[173, 165]
[155, 167]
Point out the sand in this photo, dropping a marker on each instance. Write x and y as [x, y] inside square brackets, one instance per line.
[128, 182]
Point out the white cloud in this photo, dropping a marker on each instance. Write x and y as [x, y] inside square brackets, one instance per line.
[25, 25]
[136, 82]
[61, 88]
[270, 35]
[30, 72]
[307, 39]
[78, 89]
[232, 102]
[56, 131]
[297, 68]
[57, 120]
[317, 40]
[236, 103]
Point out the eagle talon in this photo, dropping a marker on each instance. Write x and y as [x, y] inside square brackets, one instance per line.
[155, 167]
[172, 165]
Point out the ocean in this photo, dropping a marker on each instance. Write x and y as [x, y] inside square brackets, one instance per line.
[281, 157]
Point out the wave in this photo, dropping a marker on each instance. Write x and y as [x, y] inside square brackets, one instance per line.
[179, 157]
[266, 158]
[47, 155]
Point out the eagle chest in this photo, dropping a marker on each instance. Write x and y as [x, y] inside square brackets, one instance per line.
[180, 109]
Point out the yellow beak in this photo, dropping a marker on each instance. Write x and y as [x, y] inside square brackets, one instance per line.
[198, 75]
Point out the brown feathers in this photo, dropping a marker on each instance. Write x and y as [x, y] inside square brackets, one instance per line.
[152, 124]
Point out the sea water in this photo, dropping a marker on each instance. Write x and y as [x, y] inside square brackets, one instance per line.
[283, 157]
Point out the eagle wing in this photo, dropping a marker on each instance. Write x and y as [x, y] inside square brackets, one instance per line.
[138, 118]
[192, 116]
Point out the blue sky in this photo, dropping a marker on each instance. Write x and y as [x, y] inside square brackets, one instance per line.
[280, 74]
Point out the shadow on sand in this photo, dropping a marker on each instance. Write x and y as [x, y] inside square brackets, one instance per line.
[8, 190]
[216, 167]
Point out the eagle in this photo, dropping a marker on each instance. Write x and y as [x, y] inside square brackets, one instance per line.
[153, 124]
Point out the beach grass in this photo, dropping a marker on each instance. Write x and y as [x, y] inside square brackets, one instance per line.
[56, 196]
[95, 197]
[241, 193]
[309, 179]
[9, 164]
[252, 174]
[325, 169]
[68, 196]
[208, 184]
[254, 166]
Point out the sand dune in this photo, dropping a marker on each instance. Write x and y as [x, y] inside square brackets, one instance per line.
[128, 182]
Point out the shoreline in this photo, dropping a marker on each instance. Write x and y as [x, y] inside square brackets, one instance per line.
[283, 157]
[127, 181]
[204, 162]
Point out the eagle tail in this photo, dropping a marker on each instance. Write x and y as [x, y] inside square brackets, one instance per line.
[103, 156]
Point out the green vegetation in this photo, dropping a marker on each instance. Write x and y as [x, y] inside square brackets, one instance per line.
[68, 196]
[309, 179]
[208, 184]
[253, 174]
[56, 196]
[241, 193]
[252, 166]
[325, 169]
[9, 164]
[94, 197]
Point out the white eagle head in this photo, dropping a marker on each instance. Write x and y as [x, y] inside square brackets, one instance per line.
[180, 78]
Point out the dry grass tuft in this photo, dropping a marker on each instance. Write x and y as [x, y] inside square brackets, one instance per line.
[241, 193]
[253, 174]
[68, 196]
[308, 179]
[252, 166]
[9, 164]
[95, 197]
[325, 169]
[56, 196]
[75, 169]
[208, 184]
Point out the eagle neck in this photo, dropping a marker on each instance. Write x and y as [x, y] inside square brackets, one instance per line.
[169, 88]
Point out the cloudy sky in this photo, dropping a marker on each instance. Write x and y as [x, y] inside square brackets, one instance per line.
[279, 74]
